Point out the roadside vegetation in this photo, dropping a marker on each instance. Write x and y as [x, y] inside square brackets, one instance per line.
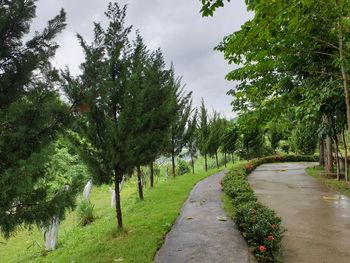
[146, 223]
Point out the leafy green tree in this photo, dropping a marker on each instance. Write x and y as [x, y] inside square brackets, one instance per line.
[203, 133]
[209, 6]
[286, 55]
[101, 97]
[31, 117]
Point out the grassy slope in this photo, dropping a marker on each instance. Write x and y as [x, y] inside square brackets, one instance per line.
[340, 186]
[146, 224]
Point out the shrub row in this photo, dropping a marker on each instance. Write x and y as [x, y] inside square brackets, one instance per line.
[259, 225]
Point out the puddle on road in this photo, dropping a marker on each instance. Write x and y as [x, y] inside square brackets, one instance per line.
[339, 202]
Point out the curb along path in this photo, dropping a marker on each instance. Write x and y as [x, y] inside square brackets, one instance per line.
[198, 236]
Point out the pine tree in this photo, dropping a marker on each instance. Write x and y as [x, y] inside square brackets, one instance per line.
[101, 97]
[181, 112]
[152, 106]
[203, 133]
[230, 139]
[31, 117]
[192, 141]
[215, 136]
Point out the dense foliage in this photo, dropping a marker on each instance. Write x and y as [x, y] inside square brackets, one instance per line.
[31, 118]
[293, 68]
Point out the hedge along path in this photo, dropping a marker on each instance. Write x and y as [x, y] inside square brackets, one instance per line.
[317, 218]
[259, 224]
[199, 236]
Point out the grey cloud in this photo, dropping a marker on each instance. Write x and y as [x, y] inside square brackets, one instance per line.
[176, 27]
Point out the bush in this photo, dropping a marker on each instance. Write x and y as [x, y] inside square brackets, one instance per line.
[85, 212]
[304, 139]
[183, 167]
[259, 225]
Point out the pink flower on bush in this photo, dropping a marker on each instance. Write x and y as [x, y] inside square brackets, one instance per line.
[270, 238]
[262, 248]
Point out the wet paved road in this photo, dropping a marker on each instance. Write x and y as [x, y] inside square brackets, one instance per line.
[317, 219]
[204, 239]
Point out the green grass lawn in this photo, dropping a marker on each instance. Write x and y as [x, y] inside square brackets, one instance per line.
[146, 223]
[340, 186]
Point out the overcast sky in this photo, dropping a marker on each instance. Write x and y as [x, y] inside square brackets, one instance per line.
[176, 26]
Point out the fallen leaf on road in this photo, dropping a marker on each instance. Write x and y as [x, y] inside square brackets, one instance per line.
[189, 218]
[330, 197]
[221, 218]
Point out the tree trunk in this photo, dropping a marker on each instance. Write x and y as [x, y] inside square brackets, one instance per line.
[206, 162]
[173, 163]
[217, 159]
[139, 182]
[113, 192]
[192, 163]
[343, 71]
[87, 190]
[225, 160]
[329, 165]
[325, 153]
[321, 161]
[346, 158]
[337, 157]
[233, 159]
[118, 209]
[152, 174]
[51, 234]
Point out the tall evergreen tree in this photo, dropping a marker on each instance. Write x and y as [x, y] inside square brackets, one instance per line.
[252, 136]
[215, 136]
[101, 96]
[31, 117]
[151, 104]
[230, 139]
[192, 141]
[181, 112]
[160, 98]
[275, 134]
[203, 133]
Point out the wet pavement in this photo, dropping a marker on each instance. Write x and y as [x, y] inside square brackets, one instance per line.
[198, 236]
[317, 218]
